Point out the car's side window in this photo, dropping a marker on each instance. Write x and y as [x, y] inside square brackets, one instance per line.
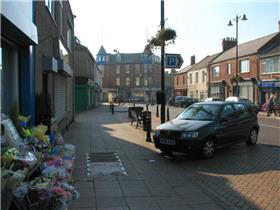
[228, 111]
[241, 110]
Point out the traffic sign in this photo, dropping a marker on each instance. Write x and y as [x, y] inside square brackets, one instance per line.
[173, 61]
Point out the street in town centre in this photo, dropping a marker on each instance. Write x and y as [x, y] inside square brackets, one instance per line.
[238, 177]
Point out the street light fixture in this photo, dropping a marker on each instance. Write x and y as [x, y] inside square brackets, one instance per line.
[236, 19]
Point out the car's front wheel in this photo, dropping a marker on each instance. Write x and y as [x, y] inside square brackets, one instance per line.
[253, 137]
[208, 149]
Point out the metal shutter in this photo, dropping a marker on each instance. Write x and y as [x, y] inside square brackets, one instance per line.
[59, 96]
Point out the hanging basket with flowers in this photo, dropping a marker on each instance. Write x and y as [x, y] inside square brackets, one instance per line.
[163, 37]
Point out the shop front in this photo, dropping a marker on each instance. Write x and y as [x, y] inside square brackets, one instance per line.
[217, 90]
[267, 88]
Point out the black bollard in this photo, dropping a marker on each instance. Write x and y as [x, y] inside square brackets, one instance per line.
[168, 117]
[147, 107]
[134, 104]
[148, 121]
[113, 111]
[157, 111]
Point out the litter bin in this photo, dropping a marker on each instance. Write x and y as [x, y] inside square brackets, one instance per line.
[147, 120]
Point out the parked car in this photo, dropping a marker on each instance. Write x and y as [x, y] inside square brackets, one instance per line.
[187, 102]
[135, 99]
[255, 107]
[118, 99]
[178, 99]
[205, 126]
[213, 99]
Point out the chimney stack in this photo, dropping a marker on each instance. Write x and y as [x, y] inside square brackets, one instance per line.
[192, 60]
[228, 43]
[278, 25]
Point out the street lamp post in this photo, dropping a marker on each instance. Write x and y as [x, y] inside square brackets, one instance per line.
[236, 19]
[162, 107]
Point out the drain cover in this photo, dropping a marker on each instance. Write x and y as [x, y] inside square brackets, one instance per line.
[104, 163]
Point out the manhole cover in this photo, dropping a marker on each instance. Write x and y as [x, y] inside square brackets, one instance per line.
[104, 163]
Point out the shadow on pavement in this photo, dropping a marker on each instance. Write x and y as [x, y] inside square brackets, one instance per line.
[239, 177]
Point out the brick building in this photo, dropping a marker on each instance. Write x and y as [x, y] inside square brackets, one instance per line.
[180, 79]
[222, 70]
[269, 74]
[198, 78]
[129, 75]
[88, 79]
[54, 63]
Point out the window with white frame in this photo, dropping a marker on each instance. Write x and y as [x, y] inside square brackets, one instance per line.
[145, 68]
[270, 65]
[216, 71]
[137, 81]
[203, 76]
[137, 68]
[190, 78]
[244, 66]
[196, 77]
[127, 81]
[146, 81]
[50, 4]
[118, 69]
[118, 81]
[127, 68]
[150, 81]
[69, 39]
[228, 68]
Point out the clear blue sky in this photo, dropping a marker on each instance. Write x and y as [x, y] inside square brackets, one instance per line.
[200, 24]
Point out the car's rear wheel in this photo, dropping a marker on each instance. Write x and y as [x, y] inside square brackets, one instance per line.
[208, 149]
[253, 137]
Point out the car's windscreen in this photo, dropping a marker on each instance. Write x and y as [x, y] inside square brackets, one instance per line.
[200, 112]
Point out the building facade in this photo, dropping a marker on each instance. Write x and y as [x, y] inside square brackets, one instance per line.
[129, 75]
[87, 79]
[181, 79]
[222, 70]
[198, 78]
[54, 63]
[269, 74]
[18, 38]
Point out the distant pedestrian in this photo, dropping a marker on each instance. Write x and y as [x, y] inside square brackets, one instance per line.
[271, 105]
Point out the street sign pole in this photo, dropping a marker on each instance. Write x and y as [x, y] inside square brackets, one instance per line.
[162, 107]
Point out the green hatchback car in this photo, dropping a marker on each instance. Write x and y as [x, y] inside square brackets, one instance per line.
[206, 126]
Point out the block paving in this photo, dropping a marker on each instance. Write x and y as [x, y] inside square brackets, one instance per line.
[239, 177]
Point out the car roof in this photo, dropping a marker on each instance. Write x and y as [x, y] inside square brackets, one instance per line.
[218, 102]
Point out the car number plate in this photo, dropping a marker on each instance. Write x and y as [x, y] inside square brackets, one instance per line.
[167, 141]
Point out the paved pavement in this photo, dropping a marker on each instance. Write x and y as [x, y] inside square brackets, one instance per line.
[239, 177]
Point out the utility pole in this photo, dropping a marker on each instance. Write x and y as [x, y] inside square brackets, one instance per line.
[162, 107]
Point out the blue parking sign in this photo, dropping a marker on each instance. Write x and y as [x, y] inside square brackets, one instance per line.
[173, 61]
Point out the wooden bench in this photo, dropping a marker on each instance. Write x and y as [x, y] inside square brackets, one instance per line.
[136, 116]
